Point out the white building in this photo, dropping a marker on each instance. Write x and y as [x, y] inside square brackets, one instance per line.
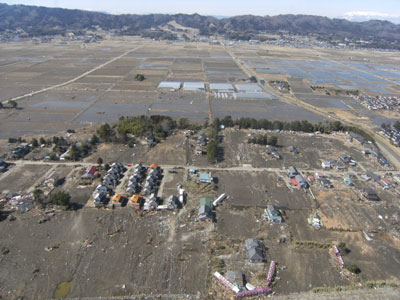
[221, 88]
[249, 87]
[194, 86]
[170, 85]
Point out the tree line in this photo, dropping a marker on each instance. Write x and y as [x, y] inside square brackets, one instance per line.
[304, 126]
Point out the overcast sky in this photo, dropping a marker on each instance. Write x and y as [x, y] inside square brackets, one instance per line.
[330, 8]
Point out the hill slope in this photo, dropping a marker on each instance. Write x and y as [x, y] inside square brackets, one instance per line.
[41, 20]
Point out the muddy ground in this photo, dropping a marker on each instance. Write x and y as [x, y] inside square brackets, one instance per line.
[104, 252]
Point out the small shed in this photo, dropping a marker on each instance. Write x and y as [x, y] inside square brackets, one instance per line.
[292, 149]
[292, 172]
[150, 139]
[193, 171]
[326, 164]
[206, 178]
[199, 150]
[348, 181]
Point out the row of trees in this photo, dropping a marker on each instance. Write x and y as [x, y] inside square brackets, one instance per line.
[212, 146]
[159, 126]
[60, 145]
[304, 126]
[184, 123]
[60, 198]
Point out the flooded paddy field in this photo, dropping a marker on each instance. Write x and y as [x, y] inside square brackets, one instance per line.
[266, 109]
[110, 91]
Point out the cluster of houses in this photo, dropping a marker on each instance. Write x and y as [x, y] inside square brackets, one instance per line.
[341, 164]
[114, 174]
[100, 195]
[152, 180]
[136, 196]
[384, 182]
[324, 180]
[137, 201]
[370, 149]
[392, 134]
[110, 180]
[134, 182]
[379, 102]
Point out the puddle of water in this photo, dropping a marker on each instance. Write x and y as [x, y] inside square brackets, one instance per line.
[62, 290]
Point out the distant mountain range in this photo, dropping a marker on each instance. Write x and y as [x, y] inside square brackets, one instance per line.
[363, 16]
[36, 21]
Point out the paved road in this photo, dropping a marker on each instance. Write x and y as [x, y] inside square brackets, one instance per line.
[243, 168]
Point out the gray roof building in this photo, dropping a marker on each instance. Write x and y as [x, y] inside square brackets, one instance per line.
[252, 243]
[222, 87]
[254, 250]
[205, 212]
[254, 96]
[249, 87]
[255, 255]
[194, 86]
[171, 85]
